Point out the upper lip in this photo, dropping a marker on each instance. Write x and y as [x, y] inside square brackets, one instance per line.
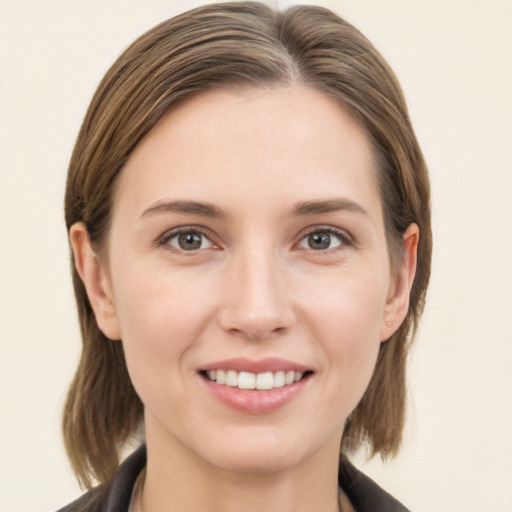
[241, 364]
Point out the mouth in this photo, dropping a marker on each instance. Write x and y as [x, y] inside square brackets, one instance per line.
[264, 381]
[256, 386]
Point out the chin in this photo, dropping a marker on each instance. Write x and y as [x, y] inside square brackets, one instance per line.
[257, 456]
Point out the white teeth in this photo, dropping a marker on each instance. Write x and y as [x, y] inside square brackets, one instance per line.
[265, 381]
[231, 378]
[247, 380]
[279, 379]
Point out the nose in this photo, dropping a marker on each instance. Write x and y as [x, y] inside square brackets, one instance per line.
[256, 300]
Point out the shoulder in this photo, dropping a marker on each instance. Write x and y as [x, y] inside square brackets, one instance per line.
[364, 494]
[116, 496]
[92, 501]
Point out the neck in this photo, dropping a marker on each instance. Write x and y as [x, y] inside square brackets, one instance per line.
[178, 480]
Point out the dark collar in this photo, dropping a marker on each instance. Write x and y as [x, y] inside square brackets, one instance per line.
[364, 494]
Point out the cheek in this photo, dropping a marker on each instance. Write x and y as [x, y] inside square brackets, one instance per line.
[349, 305]
[157, 304]
[161, 317]
[347, 321]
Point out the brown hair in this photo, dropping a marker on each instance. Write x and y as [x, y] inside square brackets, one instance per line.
[233, 45]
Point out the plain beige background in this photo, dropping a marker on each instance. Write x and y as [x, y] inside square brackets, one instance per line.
[454, 60]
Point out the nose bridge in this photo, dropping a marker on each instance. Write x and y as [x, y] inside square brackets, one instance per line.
[256, 300]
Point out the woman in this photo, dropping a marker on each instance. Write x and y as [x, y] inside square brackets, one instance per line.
[248, 209]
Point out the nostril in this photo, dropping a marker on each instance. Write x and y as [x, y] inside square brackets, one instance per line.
[261, 334]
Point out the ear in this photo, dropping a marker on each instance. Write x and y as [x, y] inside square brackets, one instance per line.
[397, 303]
[96, 281]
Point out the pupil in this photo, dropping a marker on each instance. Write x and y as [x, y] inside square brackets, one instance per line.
[319, 240]
[190, 241]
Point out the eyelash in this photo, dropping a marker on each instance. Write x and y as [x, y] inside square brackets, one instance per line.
[169, 235]
[345, 239]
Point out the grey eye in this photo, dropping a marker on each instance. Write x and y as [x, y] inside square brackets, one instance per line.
[320, 241]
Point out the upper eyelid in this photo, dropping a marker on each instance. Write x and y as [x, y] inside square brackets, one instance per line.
[171, 233]
[342, 233]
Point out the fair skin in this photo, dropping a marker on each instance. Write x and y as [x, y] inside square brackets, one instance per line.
[247, 235]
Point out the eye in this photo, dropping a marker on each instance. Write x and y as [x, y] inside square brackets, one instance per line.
[190, 240]
[322, 240]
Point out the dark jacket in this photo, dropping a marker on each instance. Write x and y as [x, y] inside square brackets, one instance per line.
[364, 494]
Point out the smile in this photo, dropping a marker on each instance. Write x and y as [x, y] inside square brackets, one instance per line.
[254, 381]
[256, 386]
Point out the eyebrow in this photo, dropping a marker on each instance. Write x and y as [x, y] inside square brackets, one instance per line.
[326, 206]
[211, 211]
[185, 207]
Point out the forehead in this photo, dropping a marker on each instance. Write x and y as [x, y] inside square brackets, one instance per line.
[253, 142]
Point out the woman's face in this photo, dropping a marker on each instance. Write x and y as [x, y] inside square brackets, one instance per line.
[247, 247]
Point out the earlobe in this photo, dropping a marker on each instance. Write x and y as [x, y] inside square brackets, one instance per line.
[96, 281]
[398, 300]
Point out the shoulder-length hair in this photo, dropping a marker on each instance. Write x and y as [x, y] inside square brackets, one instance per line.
[233, 45]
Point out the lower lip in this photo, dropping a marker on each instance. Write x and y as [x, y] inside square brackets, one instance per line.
[254, 401]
